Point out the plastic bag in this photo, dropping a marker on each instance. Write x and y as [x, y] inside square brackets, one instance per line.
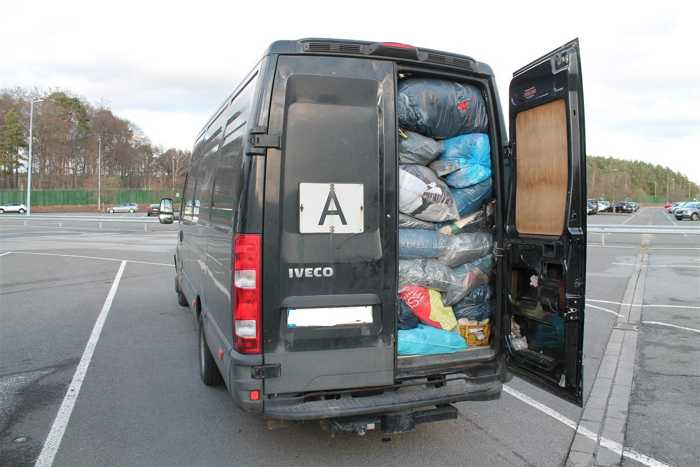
[476, 312]
[477, 295]
[441, 109]
[474, 274]
[417, 149]
[427, 305]
[407, 320]
[466, 160]
[408, 222]
[433, 274]
[424, 196]
[421, 243]
[465, 247]
[479, 220]
[427, 340]
[470, 199]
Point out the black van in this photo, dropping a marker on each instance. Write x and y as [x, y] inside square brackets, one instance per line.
[251, 252]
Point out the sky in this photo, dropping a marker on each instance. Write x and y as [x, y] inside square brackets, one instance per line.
[166, 66]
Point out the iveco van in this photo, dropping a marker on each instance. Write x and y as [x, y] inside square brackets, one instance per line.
[254, 257]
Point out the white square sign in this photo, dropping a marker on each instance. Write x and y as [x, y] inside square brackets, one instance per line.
[331, 208]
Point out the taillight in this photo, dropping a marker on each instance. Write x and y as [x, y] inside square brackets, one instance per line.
[247, 253]
[396, 45]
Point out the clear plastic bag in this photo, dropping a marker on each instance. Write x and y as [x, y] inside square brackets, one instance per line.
[424, 196]
[466, 160]
[465, 247]
[474, 274]
[482, 219]
[415, 148]
[427, 340]
[470, 199]
[440, 108]
[408, 222]
[433, 274]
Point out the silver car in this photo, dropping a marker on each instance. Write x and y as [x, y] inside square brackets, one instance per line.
[128, 207]
[12, 207]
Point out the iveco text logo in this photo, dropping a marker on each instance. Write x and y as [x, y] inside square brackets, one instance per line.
[298, 273]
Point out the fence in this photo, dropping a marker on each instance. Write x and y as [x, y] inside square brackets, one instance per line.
[83, 197]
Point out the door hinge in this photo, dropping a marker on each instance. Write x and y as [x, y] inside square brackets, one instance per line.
[258, 141]
[508, 151]
[572, 312]
[266, 371]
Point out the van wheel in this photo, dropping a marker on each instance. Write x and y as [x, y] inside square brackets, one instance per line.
[694, 216]
[181, 299]
[208, 370]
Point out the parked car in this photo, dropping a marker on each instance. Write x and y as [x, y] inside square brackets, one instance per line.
[623, 206]
[594, 205]
[689, 210]
[678, 206]
[153, 210]
[128, 207]
[291, 269]
[635, 206]
[13, 207]
[668, 206]
[590, 208]
[604, 206]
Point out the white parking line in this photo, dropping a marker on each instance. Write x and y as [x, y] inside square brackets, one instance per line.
[53, 440]
[659, 323]
[588, 305]
[617, 448]
[92, 257]
[6, 253]
[653, 266]
[645, 305]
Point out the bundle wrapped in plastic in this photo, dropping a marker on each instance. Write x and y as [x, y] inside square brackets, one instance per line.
[479, 220]
[477, 295]
[417, 149]
[466, 160]
[427, 340]
[476, 312]
[470, 199]
[424, 196]
[433, 274]
[474, 274]
[426, 304]
[408, 222]
[407, 320]
[421, 243]
[441, 109]
[465, 247]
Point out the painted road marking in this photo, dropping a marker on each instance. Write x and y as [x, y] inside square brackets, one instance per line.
[659, 323]
[6, 253]
[588, 305]
[653, 266]
[102, 258]
[644, 305]
[53, 440]
[615, 447]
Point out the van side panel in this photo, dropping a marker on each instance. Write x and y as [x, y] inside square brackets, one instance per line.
[336, 118]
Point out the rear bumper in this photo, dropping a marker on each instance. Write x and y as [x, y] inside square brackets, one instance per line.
[457, 388]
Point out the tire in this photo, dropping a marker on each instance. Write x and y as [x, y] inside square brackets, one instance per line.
[694, 216]
[2, 211]
[208, 371]
[181, 299]
[22, 211]
[111, 211]
[131, 211]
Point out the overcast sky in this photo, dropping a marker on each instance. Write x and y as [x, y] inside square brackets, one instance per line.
[167, 67]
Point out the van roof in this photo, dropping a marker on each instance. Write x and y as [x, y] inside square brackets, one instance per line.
[393, 50]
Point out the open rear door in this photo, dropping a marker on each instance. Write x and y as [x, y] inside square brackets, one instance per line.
[545, 247]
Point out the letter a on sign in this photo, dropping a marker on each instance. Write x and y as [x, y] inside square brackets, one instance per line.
[331, 208]
[327, 211]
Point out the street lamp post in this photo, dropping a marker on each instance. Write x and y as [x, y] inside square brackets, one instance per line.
[99, 173]
[29, 164]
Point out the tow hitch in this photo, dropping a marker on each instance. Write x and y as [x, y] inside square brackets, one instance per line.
[391, 423]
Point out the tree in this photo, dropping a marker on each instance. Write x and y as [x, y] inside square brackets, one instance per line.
[12, 140]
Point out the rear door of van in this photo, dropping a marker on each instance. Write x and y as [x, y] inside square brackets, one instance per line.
[330, 241]
[545, 238]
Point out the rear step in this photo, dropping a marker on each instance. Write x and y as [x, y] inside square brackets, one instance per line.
[399, 422]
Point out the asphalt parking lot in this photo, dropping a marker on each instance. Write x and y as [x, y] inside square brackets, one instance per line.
[140, 401]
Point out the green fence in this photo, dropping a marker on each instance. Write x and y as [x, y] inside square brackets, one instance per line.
[82, 197]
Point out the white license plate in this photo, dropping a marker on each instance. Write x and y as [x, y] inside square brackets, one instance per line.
[330, 316]
[331, 208]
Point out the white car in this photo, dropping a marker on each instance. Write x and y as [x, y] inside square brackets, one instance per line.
[20, 208]
[128, 207]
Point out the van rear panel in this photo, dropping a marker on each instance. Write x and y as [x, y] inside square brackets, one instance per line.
[330, 233]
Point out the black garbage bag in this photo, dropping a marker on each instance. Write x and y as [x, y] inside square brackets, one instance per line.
[476, 312]
[417, 149]
[440, 108]
[407, 320]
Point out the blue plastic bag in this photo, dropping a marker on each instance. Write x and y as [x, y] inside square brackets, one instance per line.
[421, 243]
[477, 312]
[441, 109]
[427, 340]
[466, 160]
[470, 199]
